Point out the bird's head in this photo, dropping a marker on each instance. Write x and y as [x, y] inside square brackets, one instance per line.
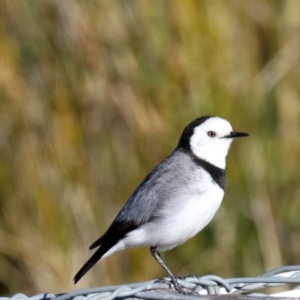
[209, 138]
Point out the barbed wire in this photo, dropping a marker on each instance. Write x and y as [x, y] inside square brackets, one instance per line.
[204, 285]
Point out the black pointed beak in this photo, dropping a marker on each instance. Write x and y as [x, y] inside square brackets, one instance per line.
[235, 134]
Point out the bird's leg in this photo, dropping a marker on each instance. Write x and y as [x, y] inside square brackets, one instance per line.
[158, 258]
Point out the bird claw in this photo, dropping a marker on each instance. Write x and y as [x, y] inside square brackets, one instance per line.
[183, 291]
[176, 285]
[164, 281]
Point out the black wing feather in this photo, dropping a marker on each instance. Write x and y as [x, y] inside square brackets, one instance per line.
[115, 232]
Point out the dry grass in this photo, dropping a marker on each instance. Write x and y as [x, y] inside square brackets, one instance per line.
[95, 93]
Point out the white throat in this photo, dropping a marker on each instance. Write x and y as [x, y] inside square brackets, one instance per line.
[210, 153]
[215, 159]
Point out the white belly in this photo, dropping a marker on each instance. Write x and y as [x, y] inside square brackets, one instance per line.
[182, 218]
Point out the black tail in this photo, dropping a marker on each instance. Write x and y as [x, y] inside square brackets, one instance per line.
[90, 263]
[115, 232]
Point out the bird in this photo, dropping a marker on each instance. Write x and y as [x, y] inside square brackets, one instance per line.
[176, 200]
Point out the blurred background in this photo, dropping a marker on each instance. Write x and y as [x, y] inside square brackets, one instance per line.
[94, 94]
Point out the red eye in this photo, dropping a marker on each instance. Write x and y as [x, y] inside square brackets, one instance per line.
[211, 134]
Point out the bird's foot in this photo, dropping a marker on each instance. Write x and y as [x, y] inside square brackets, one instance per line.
[176, 285]
[180, 289]
[164, 281]
[183, 291]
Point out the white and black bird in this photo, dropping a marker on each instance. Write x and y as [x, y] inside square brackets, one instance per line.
[177, 199]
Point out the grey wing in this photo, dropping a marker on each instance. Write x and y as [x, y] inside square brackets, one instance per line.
[148, 199]
[155, 189]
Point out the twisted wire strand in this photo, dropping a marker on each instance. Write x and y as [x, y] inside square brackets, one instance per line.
[204, 285]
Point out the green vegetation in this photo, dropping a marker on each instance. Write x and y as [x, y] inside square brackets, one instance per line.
[95, 93]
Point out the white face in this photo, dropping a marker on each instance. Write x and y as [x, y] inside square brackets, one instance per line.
[207, 141]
